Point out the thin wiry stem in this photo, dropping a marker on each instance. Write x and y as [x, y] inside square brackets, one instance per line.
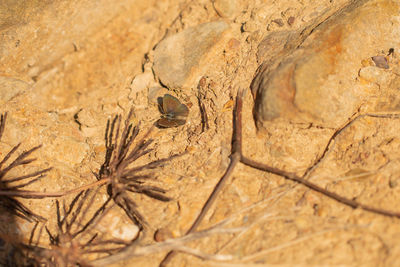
[235, 159]
[38, 173]
[174, 244]
[237, 156]
[38, 195]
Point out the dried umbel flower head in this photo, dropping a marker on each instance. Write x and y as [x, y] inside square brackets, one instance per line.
[123, 179]
[74, 238]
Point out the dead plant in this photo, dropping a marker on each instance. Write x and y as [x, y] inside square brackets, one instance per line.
[8, 184]
[74, 239]
[123, 179]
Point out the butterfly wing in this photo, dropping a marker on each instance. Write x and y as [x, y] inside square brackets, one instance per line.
[168, 123]
[181, 111]
[174, 112]
[170, 104]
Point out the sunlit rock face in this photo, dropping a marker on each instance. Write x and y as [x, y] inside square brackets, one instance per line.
[317, 81]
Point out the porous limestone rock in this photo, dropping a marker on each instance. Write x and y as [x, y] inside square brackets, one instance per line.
[317, 81]
[226, 8]
[179, 58]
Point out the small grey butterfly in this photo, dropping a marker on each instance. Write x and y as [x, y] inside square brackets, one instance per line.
[174, 113]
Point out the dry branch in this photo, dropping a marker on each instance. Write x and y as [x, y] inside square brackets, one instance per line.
[175, 244]
[237, 156]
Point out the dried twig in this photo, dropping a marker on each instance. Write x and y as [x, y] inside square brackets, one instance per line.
[259, 254]
[175, 244]
[301, 180]
[39, 195]
[237, 156]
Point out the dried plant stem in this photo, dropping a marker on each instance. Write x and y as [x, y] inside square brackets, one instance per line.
[295, 178]
[331, 141]
[235, 159]
[237, 156]
[35, 194]
[175, 244]
[259, 254]
[301, 180]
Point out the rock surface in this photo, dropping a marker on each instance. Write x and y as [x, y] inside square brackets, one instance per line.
[11, 88]
[226, 8]
[179, 59]
[318, 81]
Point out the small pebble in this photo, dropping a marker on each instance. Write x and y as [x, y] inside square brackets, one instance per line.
[380, 62]
[279, 22]
[290, 21]
[163, 234]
